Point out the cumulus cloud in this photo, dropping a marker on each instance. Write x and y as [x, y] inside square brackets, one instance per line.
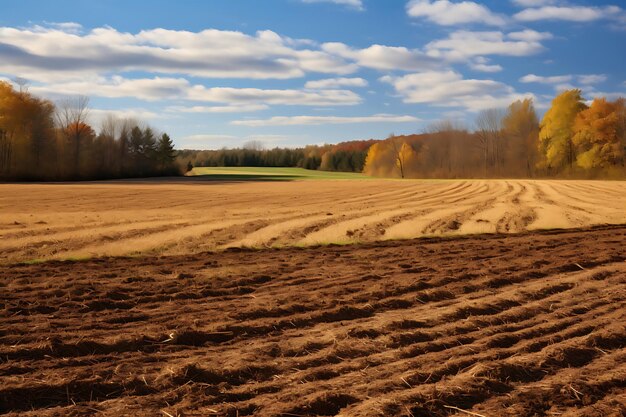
[486, 67]
[482, 64]
[281, 97]
[569, 13]
[148, 89]
[563, 82]
[232, 108]
[208, 137]
[593, 94]
[206, 141]
[383, 57]
[447, 13]
[555, 79]
[462, 44]
[592, 78]
[218, 141]
[52, 53]
[534, 3]
[323, 120]
[450, 89]
[97, 116]
[154, 89]
[336, 82]
[530, 35]
[68, 27]
[355, 4]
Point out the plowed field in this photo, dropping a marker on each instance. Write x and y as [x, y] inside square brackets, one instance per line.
[82, 220]
[500, 325]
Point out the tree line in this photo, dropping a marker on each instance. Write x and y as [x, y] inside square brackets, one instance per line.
[343, 157]
[572, 140]
[43, 141]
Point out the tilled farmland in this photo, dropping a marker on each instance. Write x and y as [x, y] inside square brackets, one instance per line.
[530, 324]
[76, 221]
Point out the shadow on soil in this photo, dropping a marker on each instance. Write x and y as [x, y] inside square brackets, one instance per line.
[195, 179]
[241, 177]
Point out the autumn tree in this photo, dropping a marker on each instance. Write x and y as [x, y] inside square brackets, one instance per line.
[443, 156]
[407, 160]
[71, 116]
[396, 145]
[521, 128]
[557, 131]
[489, 133]
[621, 113]
[598, 135]
[381, 160]
[26, 134]
[81, 149]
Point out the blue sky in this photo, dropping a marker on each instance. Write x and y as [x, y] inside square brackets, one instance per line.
[293, 72]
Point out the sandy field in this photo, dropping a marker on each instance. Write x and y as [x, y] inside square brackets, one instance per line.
[523, 325]
[75, 221]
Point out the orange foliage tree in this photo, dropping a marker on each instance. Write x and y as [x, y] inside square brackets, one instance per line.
[598, 135]
[26, 133]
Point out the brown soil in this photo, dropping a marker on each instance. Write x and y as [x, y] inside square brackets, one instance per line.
[496, 325]
[65, 221]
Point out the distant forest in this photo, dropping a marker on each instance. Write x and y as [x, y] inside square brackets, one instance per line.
[344, 157]
[43, 141]
[572, 141]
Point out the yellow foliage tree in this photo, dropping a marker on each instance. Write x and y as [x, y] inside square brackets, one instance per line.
[557, 130]
[597, 135]
[391, 158]
[379, 161]
[406, 160]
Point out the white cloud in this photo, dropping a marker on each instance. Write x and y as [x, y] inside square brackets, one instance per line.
[97, 116]
[609, 96]
[356, 4]
[280, 97]
[555, 79]
[233, 108]
[559, 88]
[336, 82]
[530, 35]
[447, 13]
[67, 27]
[482, 64]
[450, 89]
[486, 67]
[209, 137]
[563, 82]
[206, 141]
[154, 89]
[217, 141]
[569, 13]
[592, 78]
[534, 3]
[462, 44]
[149, 89]
[383, 57]
[51, 54]
[322, 120]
